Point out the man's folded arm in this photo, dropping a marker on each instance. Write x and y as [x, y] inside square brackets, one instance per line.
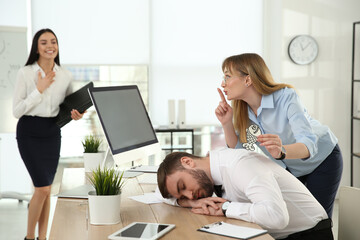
[266, 207]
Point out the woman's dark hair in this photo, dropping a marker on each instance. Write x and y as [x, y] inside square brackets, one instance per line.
[34, 55]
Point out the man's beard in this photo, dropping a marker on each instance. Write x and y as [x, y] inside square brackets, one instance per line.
[203, 181]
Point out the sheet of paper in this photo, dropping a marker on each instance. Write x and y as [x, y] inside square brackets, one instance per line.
[147, 198]
[231, 230]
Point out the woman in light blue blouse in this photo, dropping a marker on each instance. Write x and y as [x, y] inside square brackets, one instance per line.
[271, 115]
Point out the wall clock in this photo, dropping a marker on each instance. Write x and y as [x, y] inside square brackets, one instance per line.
[303, 49]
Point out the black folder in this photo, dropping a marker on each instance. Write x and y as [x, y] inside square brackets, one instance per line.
[79, 100]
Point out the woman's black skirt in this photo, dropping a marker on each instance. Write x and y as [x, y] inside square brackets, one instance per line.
[39, 142]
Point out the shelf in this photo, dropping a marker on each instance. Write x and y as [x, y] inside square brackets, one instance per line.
[174, 148]
[169, 130]
[168, 146]
[354, 97]
[174, 134]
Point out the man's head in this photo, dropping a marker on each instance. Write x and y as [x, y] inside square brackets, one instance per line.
[179, 176]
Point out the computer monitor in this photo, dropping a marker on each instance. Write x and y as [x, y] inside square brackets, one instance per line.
[125, 122]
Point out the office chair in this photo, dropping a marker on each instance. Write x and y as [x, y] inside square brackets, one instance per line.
[349, 213]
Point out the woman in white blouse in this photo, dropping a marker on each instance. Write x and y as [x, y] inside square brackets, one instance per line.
[41, 87]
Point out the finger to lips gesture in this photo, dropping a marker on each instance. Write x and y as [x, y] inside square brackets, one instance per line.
[223, 111]
[44, 83]
[272, 143]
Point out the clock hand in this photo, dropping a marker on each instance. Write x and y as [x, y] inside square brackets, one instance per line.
[2, 50]
[306, 46]
[302, 48]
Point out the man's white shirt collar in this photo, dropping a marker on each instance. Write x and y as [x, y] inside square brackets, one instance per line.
[215, 166]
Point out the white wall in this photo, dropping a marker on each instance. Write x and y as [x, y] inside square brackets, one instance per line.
[325, 85]
[96, 31]
[189, 41]
[13, 13]
[183, 42]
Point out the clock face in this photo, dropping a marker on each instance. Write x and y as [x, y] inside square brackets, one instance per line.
[303, 49]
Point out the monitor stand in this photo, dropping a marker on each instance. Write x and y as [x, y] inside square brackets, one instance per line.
[127, 174]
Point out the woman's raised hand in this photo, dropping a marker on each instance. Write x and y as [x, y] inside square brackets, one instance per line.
[223, 111]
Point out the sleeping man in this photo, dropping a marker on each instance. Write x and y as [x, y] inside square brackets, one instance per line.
[249, 187]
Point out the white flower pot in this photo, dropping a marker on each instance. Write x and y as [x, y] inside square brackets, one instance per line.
[104, 210]
[93, 160]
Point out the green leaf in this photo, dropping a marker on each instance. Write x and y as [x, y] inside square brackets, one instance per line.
[91, 144]
[106, 181]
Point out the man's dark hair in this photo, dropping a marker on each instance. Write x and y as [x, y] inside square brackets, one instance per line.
[170, 165]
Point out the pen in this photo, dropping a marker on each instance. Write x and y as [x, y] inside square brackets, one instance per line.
[212, 225]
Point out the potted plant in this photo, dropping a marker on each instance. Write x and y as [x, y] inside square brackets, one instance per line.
[104, 202]
[92, 156]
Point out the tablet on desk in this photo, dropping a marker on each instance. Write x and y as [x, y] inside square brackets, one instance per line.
[141, 230]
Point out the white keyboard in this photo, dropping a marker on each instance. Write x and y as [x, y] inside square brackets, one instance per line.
[144, 168]
[148, 178]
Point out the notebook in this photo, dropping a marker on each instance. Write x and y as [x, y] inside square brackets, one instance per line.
[79, 100]
[77, 192]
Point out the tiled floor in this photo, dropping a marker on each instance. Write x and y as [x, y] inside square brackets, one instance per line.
[13, 218]
[13, 214]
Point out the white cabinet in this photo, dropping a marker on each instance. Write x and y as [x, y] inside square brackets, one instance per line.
[13, 174]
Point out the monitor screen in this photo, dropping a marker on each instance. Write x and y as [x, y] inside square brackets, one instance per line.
[125, 121]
